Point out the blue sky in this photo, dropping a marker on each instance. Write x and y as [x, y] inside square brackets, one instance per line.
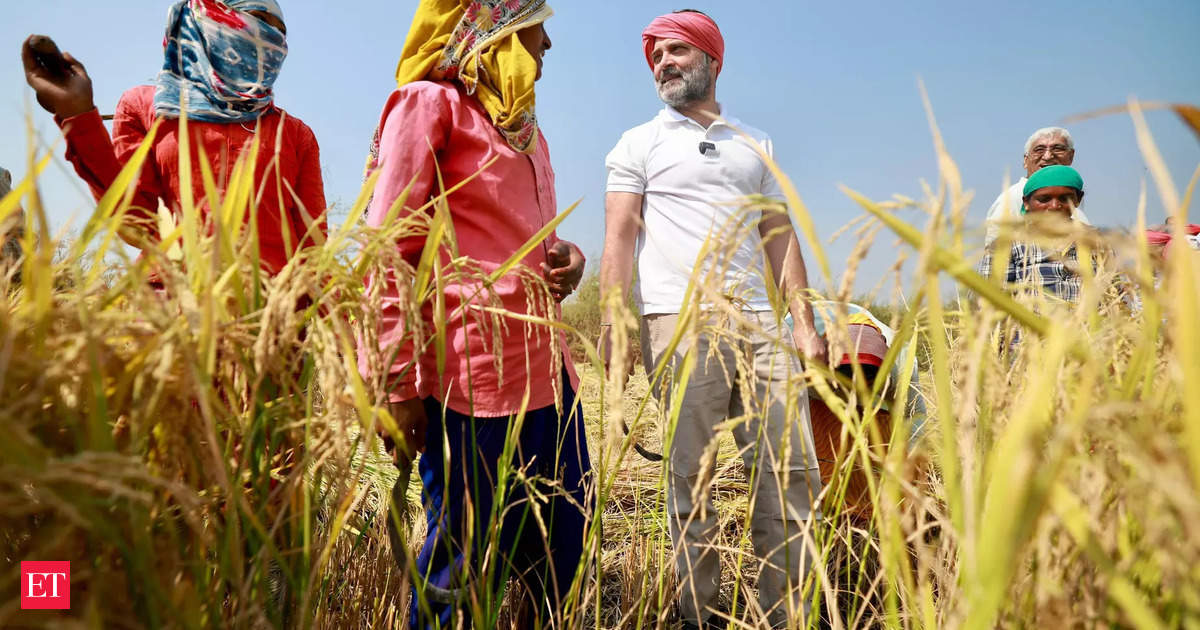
[835, 84]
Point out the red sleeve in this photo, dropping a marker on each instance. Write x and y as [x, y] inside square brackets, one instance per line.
[98, 159]
[413, 129]
[310, 187]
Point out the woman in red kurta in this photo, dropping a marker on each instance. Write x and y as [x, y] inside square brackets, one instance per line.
[227, 105]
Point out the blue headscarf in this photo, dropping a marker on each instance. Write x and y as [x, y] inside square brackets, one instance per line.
[223, 58]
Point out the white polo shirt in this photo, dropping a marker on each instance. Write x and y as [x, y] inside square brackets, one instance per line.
[688, 197]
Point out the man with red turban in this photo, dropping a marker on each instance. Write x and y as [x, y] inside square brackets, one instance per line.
[691, 198]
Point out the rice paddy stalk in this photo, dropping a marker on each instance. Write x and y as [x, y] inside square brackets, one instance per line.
[206, 454]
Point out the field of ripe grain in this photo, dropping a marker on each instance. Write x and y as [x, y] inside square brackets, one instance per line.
[202, 450]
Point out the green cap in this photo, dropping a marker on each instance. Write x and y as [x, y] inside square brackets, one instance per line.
[1056, 175]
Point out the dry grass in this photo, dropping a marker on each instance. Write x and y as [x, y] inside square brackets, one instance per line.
[198, 453]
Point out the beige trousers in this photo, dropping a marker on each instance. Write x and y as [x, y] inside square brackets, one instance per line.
[742, 373]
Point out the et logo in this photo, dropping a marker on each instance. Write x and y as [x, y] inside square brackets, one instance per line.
[45, 585]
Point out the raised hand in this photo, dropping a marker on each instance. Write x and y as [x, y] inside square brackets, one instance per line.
[61, 83]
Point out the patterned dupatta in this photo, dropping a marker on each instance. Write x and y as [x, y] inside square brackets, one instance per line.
[221, 58]
[475, 43]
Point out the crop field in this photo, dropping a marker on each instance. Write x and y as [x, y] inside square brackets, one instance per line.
[203, 448]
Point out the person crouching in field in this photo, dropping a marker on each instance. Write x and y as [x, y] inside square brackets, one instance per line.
[463, 117]
[229, 104]
[673, 183]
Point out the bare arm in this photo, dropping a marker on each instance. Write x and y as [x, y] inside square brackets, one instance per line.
[622, 223]
[782, 250]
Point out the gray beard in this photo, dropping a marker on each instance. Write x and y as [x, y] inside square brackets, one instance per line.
[694, 87]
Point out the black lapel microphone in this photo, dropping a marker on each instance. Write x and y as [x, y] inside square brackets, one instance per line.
[707, 146]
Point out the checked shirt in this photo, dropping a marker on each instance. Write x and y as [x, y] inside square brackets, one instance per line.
[1037, 269]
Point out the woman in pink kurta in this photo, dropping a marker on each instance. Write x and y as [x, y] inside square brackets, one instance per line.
[498, 378]
[432, 126]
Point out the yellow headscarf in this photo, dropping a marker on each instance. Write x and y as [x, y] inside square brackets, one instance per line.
[475, 43]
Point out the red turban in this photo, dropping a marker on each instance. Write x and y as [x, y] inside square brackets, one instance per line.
[1155, 237]
[694, 28]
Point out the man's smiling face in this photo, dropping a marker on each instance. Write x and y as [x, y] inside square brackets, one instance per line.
[682, 72]
[1047, 151]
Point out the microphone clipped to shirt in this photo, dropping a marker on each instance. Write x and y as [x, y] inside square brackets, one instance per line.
[706, 146]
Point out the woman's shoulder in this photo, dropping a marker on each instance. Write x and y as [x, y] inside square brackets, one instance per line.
[423, 101]
[138, 100]
[296, 129]
[427, 94]
[430, 89]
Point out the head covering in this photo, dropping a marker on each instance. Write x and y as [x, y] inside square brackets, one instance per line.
[224, 59]
[1163, 238]
[866, 341]
[696, 29]
[475, 43]
[1056, 175]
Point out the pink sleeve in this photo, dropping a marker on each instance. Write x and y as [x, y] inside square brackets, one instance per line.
[98, 159]
[414, 128]
[544, 147]
[415, 123]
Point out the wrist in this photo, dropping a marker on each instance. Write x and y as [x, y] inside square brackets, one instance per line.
[73, 109]
[69, 111]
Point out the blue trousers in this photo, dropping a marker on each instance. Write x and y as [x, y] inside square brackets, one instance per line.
[480, 516]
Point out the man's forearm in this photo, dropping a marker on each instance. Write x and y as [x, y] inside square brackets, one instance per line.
[782, 250]
[616, 275]
[622, 225]
[794, 286]
[799, 305]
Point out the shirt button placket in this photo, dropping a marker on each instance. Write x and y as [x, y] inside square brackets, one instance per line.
[539, 178]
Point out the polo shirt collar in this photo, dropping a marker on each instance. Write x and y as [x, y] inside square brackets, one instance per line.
[671, 115]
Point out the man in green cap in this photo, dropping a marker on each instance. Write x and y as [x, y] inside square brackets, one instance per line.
[1053, 190]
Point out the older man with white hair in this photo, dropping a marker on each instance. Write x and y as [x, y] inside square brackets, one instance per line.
[1047, 146]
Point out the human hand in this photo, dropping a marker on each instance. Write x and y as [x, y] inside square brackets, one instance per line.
[61, 83]
[565, 269]
[411, 421]
[812, 347]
